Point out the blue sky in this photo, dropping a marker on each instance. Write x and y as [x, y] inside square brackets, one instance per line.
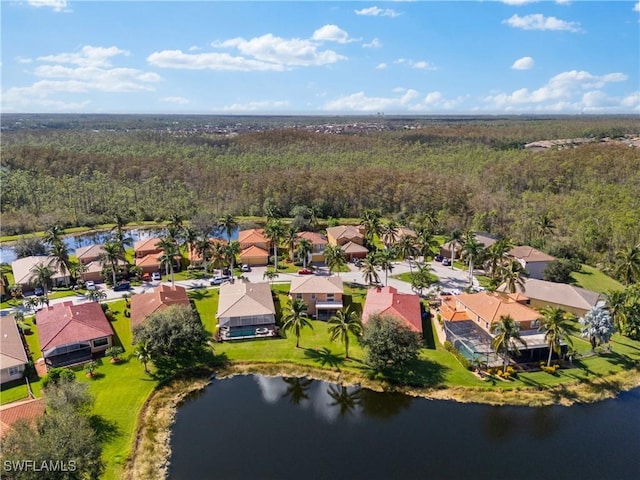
[320, 57]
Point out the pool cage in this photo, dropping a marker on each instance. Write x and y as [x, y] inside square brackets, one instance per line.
[472, 342]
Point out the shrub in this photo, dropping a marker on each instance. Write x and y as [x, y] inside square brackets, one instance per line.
[58, 375]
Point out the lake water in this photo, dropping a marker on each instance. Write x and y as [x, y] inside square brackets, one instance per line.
[254, 427]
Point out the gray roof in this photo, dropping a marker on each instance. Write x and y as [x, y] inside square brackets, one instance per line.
[241, 299]
[558, 293]
[12, 351]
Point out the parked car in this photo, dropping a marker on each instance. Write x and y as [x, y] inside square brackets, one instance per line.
[38, 291]
[156, 276]
[90, 285]
[246, 268]
[220, 280]
[446, 262]
[438, 258]
[305, 271]
[124, 285]
[146, 277]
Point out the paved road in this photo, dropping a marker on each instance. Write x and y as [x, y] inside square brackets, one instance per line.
[450, 279]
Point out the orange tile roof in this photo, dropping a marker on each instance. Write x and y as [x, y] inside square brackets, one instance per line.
[254, 235]
[351, 247]
[387, 300]
[530, 254]
[65, 323]
[253, 251]
[22, 410]
[146, 245]
[344, 231]
[160, 298]
[313, 237]
[491, 306]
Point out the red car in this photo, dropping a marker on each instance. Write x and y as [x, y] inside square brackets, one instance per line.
[305, 271]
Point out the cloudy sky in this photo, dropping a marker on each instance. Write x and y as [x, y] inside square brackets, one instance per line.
[317, 57]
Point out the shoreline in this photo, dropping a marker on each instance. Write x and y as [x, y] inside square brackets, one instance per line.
[151, 452]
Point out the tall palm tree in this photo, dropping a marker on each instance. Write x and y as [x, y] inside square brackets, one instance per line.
[112, 255]
[406, 247]
[472, 252]
[304, 249]
[385, 262]
[42, 274]
[513, 275]
[218, 254]
[370, 269]
[61, 261]
[341, 324]
[455, 240]
[290, 238]
[422, 278]
[425, 242]
[495, 256]
[557, 327]
[190, 237]
[232, 250]
[296, 318]
[506, 333]
[270, 275]
[371, 222]
[274, 232]
[334, 258]
[228, 224]
[627, 267]
[204, 249]
[119, 232]
[545, 226]
[169, 252]
[617, 302]
[389, 233]
[143, 353]
[54, 235]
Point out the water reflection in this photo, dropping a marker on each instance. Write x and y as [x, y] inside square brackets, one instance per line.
[501, 423]
[297, 389]
[345, 399]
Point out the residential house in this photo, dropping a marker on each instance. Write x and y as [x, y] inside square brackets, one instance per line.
[318, 244]
[25, 410]
[534, 261]
[89, 254]
[145, 247]
[322, 294]
[400, 233]
[71, 334]
[540, 294]
[160, 298]
[482, 238]
[23, 274]
[245, 307]
[254, 247]
[388, 301]
[13, 355]
[350, 239]
[195, 259]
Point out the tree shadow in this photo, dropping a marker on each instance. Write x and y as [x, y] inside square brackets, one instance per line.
[324, 357]
[106, 430]
[167, 366]
[199, 294]
[417, 373]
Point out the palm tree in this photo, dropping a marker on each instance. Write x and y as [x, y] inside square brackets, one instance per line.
[334, 258]
[175, 226]
[304, 249]
[54, 235]
[143, 353]
[341, 324]
[421, 278]
[472, 251]
[627, 267]
[112, 254]
[557, 328]
[204, 249]
[60, 255]
[118, 234]
[506, 333]
[231, 251]
[513, 275]
[228, 224]
[96, 295]
[406, 247]
[274, 231]
[455, 239]
[296, 319]
[169, 252]
[425, 242]
[385, 262]
[545, 226]
[270, 275]
[617, 301]
[218, 254]
[42, 274]
[343, 398]
[290, 238]
[371, 222]
[190, 237]
[389, 233]
[76, 269]
[370, 269]
[495, 256]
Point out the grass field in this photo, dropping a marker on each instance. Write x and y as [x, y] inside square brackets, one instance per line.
[593, 279]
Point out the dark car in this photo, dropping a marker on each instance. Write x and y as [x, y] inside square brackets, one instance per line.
[438, 258]
[305, 271]
[38, 291]
[118, 287]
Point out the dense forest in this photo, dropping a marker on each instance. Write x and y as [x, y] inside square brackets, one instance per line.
[465, 172]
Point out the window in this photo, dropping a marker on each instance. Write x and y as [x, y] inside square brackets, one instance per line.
[313, 296]
[100, 342]
[535, 323]
[15, 370]
[330, 297]
[299, 296]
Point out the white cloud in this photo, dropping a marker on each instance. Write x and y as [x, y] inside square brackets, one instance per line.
[375, 43]
[632, 101]
[56, 5]
[381, 66]
[177, 100]
[518, 2]
[420, 64]
[260, 105]
[537, 21]
[88, 56]
[377, 12]
[524, 63]
[209, 61]
[331, 33]
[23, 60]
[636, 7]
[194, 48]
[362, 103]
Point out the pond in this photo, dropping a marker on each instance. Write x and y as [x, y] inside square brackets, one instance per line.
[249, 427]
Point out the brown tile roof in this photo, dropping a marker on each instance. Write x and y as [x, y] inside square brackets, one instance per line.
[254, 251]
[65, 323]
[12, 351]
[530, 254]
[351, 247]
[194, 255]
[558, 293]
[313, 237]
[90, 252]
[148, 244]
[254, 235]
[344, 231]
[490, 306]
[160, 298]
[151, 260]
[244, 299]
[27, 410]
[316, 284]
[388, 301]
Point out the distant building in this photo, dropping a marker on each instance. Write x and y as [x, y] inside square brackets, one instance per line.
[318, 244]
[532, 260]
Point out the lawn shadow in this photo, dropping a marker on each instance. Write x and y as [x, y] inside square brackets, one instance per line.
[199, 294]
[106, 430]
[324, 357]
[417, 373]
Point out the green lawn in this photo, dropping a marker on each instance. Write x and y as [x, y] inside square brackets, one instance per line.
[593, 279]
[406, 277]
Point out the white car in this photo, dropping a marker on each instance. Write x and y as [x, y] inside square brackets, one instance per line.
[156, 276]
[90, 285]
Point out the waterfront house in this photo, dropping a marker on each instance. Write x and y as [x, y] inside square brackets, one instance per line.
[388, 301]
[160, 298]
[322, 294]
[89, 254]
[23, 271]
[13, 355]
[254, 247]
[245, 309]
[145, 247]
[318, 244]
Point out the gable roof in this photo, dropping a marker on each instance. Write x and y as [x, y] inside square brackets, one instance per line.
[240, 299]
[255, 235]
[253, 251]
[146, 244]
[317, 284]
[351, 247]
[194, 255]
[388, 301]
[490, 306]
[22, 268]
[313, 237]
[92, 251]
[23, 410]
[484, 239]
[344, 231]
[12, 351]
[153, 259]
[530, 254]
[558, 293]
[65, 323]
[160, 298]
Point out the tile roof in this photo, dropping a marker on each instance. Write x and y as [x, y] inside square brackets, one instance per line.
[27, 410]
[558, 293]
[12, 351]
[255, 235]
[313, 237]
[65, 323]
[194, 255]
[151, 260]
[344, 231]
[530, 254]
[160, 298]
[253, 251]
[92, 251]
[240, 299]
[490, 306]
[388, 301]
[146, 244]
[22, 268]
[351, 247]
[317, 284]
